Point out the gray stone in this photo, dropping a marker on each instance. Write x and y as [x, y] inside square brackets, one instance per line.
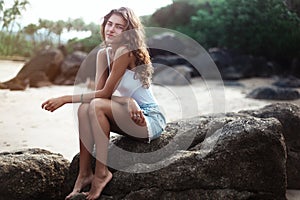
[176, 75]
[274, 93]
[45, 65]
[31, 174]
[289, 116]
[232, 156]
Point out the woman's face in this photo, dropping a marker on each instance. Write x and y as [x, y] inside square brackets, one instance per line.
[114, 27]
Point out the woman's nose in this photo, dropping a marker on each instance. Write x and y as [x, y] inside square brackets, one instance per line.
[111, 28]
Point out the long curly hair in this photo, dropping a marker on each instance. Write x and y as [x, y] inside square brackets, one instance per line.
[134, 39]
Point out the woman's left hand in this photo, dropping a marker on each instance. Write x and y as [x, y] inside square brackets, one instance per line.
[136, 113]
[53, 104]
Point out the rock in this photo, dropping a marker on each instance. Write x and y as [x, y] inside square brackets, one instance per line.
[38, 79]
[159, 62]
[274, 93]
[234, 65]
[288, 82]
[46, 63]
[289, 116]
[176, 75]
[232, 156]
[16, 84]
[69, 68]
[165, 44]
[31, 174]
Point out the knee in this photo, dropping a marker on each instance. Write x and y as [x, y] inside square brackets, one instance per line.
[96, 107]
[83, 110]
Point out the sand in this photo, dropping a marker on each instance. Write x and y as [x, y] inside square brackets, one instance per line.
[24, 124]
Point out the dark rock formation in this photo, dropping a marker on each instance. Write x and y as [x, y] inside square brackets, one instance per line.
[233, 157]
[176, 75]
[31, 174]
[252, 154]
[160, 44]
[41, 70]
[52, 67]
[289, 117]
[274, 93]
[288, 82]
[69, 68]
[235, 66]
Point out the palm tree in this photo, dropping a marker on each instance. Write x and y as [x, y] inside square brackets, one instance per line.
[46, 26]
[78, 24]
[58, 29]
[31, 30]
[8, 17]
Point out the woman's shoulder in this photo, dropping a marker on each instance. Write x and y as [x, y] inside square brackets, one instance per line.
[123, 50]
[101, 52]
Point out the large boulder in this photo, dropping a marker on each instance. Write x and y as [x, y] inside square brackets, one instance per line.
[289, 116]
[177, 75]
[288, 82]
[234, 65]
[165, 44]
[70, 67]
[274, 93]
[233, 156]
[41, 70]
[31, 174]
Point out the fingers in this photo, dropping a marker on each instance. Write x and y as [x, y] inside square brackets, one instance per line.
[50, 105]
[138, 117]
[45, 103]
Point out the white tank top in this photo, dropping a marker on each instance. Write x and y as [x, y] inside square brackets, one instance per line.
[131, 87]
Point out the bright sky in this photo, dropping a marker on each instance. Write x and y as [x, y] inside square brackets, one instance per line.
[89, 10]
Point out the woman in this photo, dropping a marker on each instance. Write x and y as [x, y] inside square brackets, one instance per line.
[123, 65]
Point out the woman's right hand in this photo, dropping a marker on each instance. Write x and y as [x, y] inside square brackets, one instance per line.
[54, 103]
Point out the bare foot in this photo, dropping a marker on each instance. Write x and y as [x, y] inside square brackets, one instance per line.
[98, 185]
[80, 183]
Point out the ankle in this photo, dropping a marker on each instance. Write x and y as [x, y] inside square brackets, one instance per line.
[102, 174]
[85, 174]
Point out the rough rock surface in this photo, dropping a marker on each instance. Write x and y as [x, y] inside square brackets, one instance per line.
[289, 116]
[252, 154]
[233, 156]
[31, 174]
[41, 70]
[274, 93]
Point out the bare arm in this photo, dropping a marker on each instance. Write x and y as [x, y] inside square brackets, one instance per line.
[121, 61]
[101, 69]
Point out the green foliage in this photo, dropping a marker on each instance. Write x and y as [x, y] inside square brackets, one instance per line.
[294, 5]
[253, 26]
[258, 27]
[9, 15]
[14, 45]
[86, 44]
[9, 40]
[191, 2]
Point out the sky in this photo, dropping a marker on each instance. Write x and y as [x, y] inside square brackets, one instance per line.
[89, 10]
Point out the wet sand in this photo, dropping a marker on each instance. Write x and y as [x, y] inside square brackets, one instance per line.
[24, 124]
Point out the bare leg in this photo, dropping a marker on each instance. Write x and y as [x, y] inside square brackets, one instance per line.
[103, 114]
[101, 129]
[85, 175]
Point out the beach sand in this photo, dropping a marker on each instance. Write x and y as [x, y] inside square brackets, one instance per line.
[24, 124]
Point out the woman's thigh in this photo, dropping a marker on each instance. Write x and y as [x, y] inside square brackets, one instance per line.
[119, 118]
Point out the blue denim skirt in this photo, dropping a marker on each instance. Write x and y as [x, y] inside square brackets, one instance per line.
[156, 121]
